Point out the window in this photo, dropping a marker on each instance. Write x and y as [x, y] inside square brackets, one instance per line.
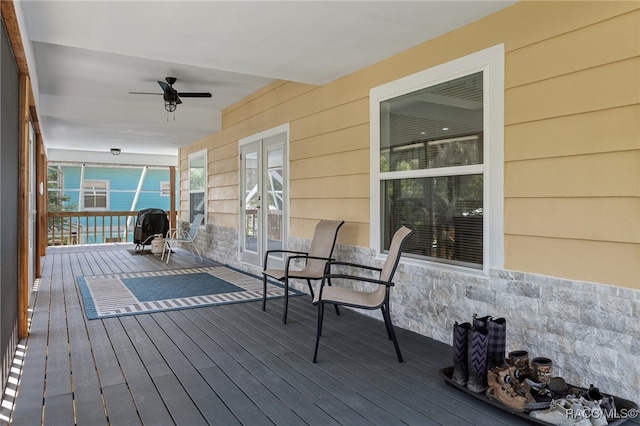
[95, 195]
[197, 183]
[437, 161]
[165, 188]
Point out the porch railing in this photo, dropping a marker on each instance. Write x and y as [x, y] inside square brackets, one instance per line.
[71, 228]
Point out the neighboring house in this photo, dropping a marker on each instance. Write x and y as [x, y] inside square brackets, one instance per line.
[105, 188]
[511, 146]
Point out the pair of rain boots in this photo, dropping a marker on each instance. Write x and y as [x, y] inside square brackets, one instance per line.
[477, 348]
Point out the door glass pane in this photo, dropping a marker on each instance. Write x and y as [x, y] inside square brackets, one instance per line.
[274, 193]
[251, 202]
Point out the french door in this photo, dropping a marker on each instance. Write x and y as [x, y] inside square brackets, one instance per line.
[263, 199]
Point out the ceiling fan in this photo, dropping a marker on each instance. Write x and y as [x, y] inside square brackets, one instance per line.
[171, 96]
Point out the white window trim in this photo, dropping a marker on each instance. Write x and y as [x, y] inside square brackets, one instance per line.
[201, 153]
[491, 62]
[107, 195]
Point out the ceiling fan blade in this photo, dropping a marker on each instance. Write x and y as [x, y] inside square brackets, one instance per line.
[165, 86]
[178, 101]
[194, 95]
[144, 93]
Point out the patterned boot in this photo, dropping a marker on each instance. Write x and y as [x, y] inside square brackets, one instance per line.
[477, 359]
[460, 351]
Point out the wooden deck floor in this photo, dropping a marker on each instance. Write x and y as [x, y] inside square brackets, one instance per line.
[224, 365]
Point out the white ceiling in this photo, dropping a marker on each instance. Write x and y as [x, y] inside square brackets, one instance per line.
[86, 56]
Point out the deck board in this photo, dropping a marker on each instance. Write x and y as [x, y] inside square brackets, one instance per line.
[229, 364]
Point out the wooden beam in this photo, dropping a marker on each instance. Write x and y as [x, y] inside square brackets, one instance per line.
[7, 9]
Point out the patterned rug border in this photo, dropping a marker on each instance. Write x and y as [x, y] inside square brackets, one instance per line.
[275, 290]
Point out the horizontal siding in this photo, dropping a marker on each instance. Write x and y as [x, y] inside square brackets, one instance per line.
[606, 86]
[339, 117]
[351, 186]
[609, 130]
[270, 97]
[596, 175]
[572, 146]
[349, 138]
[337, 164]
[586, 47]
[595, 261]
[331, 208]
[598, 219]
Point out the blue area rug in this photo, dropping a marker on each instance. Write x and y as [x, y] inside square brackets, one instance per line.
[106, 296]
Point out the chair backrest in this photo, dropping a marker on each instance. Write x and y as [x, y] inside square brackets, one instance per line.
[195, 225]
[395, 250]
[322, 245]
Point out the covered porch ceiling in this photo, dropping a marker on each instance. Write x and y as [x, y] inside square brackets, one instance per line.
[85, 57]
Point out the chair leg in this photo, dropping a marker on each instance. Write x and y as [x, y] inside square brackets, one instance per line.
[286, 301]
[391, 332]
[168, 252]
[264, 292]
[310, 288]
[193, 247]
[319, 332]
[335, 306]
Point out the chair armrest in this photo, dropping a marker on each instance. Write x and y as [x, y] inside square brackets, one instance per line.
[305, 257]
[359, 278]
[266, 255]
[356, 266]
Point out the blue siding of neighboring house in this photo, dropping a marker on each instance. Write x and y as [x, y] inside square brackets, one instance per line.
[123, 183]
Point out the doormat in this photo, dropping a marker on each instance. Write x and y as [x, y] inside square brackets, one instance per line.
[105, 296]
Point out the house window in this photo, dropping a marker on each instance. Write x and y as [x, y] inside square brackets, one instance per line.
[197, 183]
[95, 195]
[437, 161]
[165, 188]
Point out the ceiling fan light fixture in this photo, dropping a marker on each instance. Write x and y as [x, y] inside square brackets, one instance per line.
[170, 105]
[115, 151]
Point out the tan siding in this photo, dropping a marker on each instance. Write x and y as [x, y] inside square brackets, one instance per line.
[222, 179]
[352, 186]
[224, 219]
[338, 164]
[218, 193]
[601, 131]
[572, 146]
[270, 97]
[339, 117]
[333, 209]
[603, 87]
[598, 175]
[226, 165]
[594, 261]
[350, 138]
[586, 47]
[600, 219]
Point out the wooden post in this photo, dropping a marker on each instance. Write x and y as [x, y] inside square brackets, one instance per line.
[23, 207]
[172, 197]
[41, 202]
